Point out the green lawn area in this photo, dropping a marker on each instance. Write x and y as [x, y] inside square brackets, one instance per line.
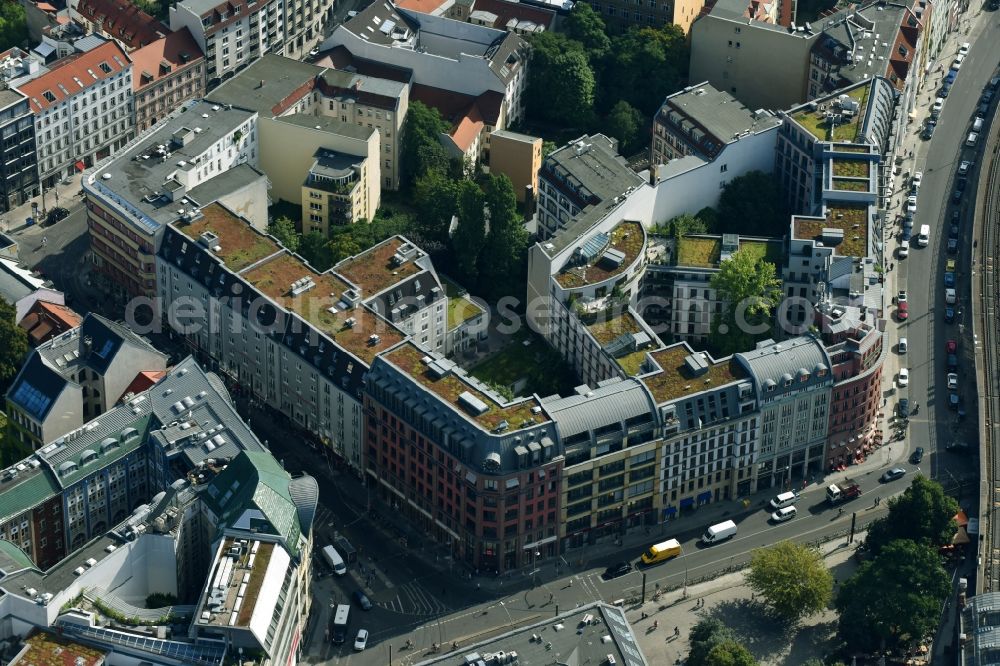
[544, 369]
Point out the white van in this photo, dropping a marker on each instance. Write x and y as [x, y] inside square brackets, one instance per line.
[781, 515]
[782, 500]
[335, 561]
[977, 124]
[971, 140]
[924, 237]
[719, 533]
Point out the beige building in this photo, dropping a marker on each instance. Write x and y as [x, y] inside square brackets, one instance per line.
[519, 157]
[334, 192]
[166, 73]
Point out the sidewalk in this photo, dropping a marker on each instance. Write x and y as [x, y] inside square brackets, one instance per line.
[62, 195]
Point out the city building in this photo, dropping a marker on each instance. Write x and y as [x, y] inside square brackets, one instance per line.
[83, 111]
[50, 648]
[705, 122]
[46, 320]
[18, 152]
[467, 320]
[620, 15]
[440, 52]
[74, 378]
[580, 178]
[232, 35]
[518, 17]
[18, 66]
[314, 107]
[299, 341]
[119, 20]
[332, 194]
[166, 73]
[470, 120]
[203, 153]
[519, 157]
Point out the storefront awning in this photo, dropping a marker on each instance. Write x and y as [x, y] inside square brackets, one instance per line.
[705, 496]
[80, 166]
[670, 511]
[686, 502]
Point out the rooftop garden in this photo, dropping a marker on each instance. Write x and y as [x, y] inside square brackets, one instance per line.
[816, 123]
[848, 185]
[374, 271]
[627, 238]
[408, 357]
[851, 168]
[850, 148]
[852, 220]
[527, 358]
[256, 580]
[460, 307]
[45, 649]
[768, 251]
[606, 330]
[674, 381]
[700, 252]
[241, 245]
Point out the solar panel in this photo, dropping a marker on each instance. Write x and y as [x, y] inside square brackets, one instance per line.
[32, 400]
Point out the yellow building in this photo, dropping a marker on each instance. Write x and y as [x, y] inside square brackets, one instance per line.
[334, 192]
[517, 156]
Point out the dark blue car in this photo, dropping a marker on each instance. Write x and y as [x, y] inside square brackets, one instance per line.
[952, 245]
[949, 279]
[949, 315]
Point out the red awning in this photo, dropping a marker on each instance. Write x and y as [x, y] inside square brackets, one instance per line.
[80, 166]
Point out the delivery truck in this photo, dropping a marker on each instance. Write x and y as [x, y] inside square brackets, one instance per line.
[719, 533]
[662, 552]
[847, 489]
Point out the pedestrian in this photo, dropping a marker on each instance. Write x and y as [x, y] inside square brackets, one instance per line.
[677, 631]
[477, 587]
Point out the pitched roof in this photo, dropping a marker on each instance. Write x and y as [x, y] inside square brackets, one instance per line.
[36, 387]
[13, 558]
[123, 21]
[75, 73]
[45, 320]
[143, 381]
[507, 11]
[163, 57]
[466, 114]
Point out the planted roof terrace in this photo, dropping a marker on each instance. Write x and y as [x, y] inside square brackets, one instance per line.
[706, 251]
[851, 221]
[375, 270]
[675, 381]
[613, 254]
[240, 244]
[814, 119]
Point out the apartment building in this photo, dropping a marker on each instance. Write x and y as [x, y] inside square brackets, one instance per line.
[232, 34]
[348, 111]
[297, 340]
[18, 151]
[471, 121]
[203, 153]
[90, 479]
[83, 111]
[703, 121]
[46, 319]
[620, 15]
[332, 195]
[119, 20]
[519, 157]
[76, 377]
[518, 17]
[166, 73]
[440, 52]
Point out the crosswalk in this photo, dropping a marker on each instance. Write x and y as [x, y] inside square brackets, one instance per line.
[413, 599]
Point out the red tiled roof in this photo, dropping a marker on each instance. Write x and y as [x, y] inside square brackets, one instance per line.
[143, 381]
[74, 74]
[63, 313]
[466, 114]
[123, 21]
[45, 7]
[166, 50]
[46, 320]
[422, 6]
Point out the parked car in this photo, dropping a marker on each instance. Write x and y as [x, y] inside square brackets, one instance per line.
[938, 106]
[952, 362]
[964, 167]
[917, 179]
[906, 234]
[931, 125]
[953, 231]
[956, 64]
[902, 311]
[951, 347]
[956, 196]
[904, 377]
[361, 641]
[950, 296]
[903, 345]
[55, 215]
[961, 183]
[952, 381]
[963, 50]
[949, 315]
[903, 251]
[917, 456]
[953, 401]
[949, 279]
[945, 90]
[950, 265]
[616, 570]
[901, 296]
[952, 245]
[987, 97]
[362, 600]
[903, 407]
[892, 474]
[984, 108]
[911, 204]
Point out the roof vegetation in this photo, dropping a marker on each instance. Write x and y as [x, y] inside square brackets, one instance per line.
[674, 381]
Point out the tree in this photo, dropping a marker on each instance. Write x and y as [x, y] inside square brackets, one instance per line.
[13, 344]
[705, 636]
[502, 258]
[470, 235]
[923, 513]
[435, 197]
[684, 224]
[643, 66]
[792, 578]
[343, 245]
[315, 249]
[753, 204]
[284, 230]
[730, 653]
[13, 25]
[586, 26]
[709, 217]
[750, 288]
[420, 146]
[893, 600]
[561, 81]
[626, 124]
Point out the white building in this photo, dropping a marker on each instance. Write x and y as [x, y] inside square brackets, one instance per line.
[83, 111]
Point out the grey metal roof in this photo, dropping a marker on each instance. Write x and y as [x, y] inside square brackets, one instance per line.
[781, 362]
[719, 113]
[305, 496]
[609, 403]
[15, 283]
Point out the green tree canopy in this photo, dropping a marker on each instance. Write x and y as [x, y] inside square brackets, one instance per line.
[792, 579]
[750, 288]
[470, 235]
[730, 653]
[683, 224]
[560, 81]
[644, 66]
[315, 249]
[13, 25]
[705, 636]
[284, 230]
[502, 266]
[586, 26]
[753, 205]
[13, 344]
[435, 197]
[923, 513]
[420, 147]
[893, 600]
[626, 124]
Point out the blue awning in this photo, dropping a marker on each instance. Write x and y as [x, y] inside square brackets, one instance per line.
[670, 511]
[686, 502]
[705, 496]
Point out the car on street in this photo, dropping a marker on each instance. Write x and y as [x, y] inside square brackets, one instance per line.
[892, 474]
[911, 204]
[917, 456]
[984, 108]
[917, 179]
[949, 279]
[951, 347]
[952, 245]
[945, 90]
[783, 514]
[953, 231]
[903, 251]
[953, 401]
[901, 296]
[904, 377]
[958, 447]
[961, 183]
[361, 640]
[362, 600]
[952, 381]
[902, 311]
[616, 570]
[964, 167]
[950, 296]
[938, 105]
[950, 265]
[904, 345]
[55, 215]
[931, 125]
[903, 407]
[956, 196]
[986, 98]
[952, 362]
[949, 315]
[963, 50]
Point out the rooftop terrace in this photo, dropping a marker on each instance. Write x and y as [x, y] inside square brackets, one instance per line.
[409, 359]
[237, 577]
[45, 649]
[706, 252]
[851, 220]
[606, 331]
[815, 121]
[627, 238]
[374, 270]
[318, 305]
[460, 308]
[241, 244]
[675, 382]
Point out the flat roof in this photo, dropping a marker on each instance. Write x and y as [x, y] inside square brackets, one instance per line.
[375, 271]
[812, 118]
[704, 251]
[591, 163]
[46, 649]
[627, 237]
[327, 124]
[240, 580]
[241, 245]
[674, 381]
[716, 111]
[852, 221]
[280, 77]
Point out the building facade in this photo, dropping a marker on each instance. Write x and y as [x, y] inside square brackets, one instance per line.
[167, 73]
[18, 151]
[519, 157]
[119, 20]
